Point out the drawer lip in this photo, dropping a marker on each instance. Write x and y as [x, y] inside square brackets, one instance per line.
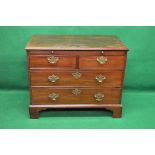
[92, 87]
[68, 69]
[75, 86]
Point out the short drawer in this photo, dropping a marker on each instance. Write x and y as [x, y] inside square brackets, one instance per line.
[102, 62]
[51, 61]
[41, 96]
[76, 78]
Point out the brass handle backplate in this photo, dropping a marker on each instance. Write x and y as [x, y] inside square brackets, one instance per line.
[52, 59]
[53, 78]
[76, 91]
[53, 96]
[101, 60]
[100, 78]
[77, 75]
[99, 97]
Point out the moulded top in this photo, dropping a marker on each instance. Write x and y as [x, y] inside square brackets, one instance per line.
[75, 42]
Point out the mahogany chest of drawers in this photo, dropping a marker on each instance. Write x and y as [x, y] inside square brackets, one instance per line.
[75, 72]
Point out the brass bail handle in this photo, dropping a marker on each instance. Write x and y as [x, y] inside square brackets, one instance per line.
[100, 78]
[53, 78]
[102, 60]
[53, 96]
[53, 59]
[77, 75]
[99, 97]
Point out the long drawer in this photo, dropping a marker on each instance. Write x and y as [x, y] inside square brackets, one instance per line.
[76, 78]
[47, 96]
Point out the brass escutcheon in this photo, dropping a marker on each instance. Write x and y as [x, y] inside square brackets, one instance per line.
[100, 78]
[76, 91]
[77, 75]
[52, 59]
[101, 60]
[53, 78]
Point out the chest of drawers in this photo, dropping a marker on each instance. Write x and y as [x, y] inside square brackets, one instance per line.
[75, 72]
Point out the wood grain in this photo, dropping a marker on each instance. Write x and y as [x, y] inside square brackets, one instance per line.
[76, 53]
[75, 42]
[40, 96]
[41, 61]
[87, 79]
[113, 63]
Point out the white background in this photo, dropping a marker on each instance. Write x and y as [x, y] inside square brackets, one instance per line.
[77, 13]
[77, 142]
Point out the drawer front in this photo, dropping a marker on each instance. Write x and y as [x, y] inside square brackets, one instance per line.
[76, 78]
[48, 61]
[41, 96]
[102, 62]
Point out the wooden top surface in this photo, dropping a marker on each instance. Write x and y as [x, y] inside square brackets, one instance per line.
[75, 42]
